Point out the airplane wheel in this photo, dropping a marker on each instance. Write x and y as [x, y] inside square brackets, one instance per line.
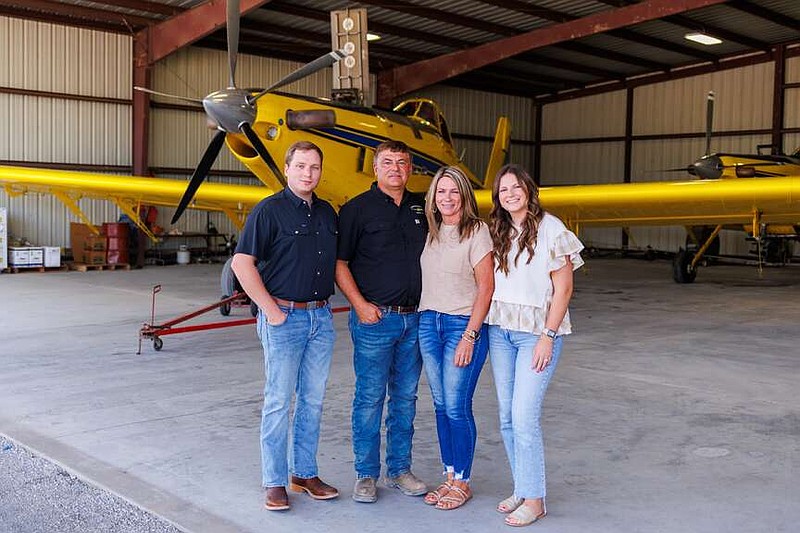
[225, 309]
[158, 344]
[682, 271]
[254, 309]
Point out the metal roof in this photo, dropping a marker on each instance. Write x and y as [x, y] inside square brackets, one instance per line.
[416, 30]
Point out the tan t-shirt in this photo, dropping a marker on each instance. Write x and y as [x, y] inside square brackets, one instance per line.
[448, 277]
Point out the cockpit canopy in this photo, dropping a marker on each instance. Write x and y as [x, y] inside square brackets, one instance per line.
[427, 112]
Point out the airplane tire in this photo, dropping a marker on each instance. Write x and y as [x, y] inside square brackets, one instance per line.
[158, 344]
[225, 309]
[682, 271]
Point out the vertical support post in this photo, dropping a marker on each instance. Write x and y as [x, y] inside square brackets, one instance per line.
[628, 157]
[141, 104]
[778, 102]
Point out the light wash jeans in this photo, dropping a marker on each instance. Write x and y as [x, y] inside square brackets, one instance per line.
[452, 387]
[386, 359]
[297, 357]
[520, 393]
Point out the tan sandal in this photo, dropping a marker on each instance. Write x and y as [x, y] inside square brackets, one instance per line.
[509, 505]
[455, 498]
[524, 516]
[433, 497]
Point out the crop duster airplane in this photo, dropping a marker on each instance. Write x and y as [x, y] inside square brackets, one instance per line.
[258, 127]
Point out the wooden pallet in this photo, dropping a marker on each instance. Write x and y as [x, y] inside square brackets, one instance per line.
[83, 267]
[17, 270]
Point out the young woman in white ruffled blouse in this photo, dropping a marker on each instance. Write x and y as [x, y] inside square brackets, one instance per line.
[535, 255]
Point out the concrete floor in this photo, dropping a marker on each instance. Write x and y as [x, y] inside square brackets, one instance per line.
[674, 407]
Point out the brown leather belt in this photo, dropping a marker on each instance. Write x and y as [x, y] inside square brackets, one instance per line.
[315, 304]
[399, 309]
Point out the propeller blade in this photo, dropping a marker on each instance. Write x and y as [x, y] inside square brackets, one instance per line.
[309, 68]
[184, 98]
[709, 120]
[200, 173]
[232, 14]
[252, 136]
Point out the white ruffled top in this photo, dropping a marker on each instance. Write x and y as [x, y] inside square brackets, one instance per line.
[522, 297]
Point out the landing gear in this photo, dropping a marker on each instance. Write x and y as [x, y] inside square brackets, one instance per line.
[157, 344]
[682, 269]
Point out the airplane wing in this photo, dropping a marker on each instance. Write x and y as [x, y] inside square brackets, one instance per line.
[128, 192]
[680, 203]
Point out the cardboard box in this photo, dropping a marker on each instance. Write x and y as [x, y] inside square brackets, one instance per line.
[94, 257]
[52, 256]
[81, 238]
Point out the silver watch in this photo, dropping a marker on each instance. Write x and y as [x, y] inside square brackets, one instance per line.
[550, 333]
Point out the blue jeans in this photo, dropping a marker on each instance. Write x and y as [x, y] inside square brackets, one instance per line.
[452, 387]
[520, 393]
[297, 357]
[385, 359]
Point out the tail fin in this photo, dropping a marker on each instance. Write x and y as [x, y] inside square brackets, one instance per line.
[499, 155]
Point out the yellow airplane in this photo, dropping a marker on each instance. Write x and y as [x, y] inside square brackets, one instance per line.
[258, 127]
[773, 241]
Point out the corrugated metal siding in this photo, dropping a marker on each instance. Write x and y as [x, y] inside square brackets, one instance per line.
[791, 111]
[51, 58]
[601, 115]
[46, 57]
[793, 70]
[743, 101]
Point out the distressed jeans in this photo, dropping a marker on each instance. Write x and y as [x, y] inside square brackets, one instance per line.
[386, 361]
[520, 393]
[452, 387]
[297, 358]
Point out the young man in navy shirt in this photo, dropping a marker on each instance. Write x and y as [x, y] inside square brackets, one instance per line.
[294, 232]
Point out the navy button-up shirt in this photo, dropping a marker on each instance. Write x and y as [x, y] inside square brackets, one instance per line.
[382, 243]
[298, 244]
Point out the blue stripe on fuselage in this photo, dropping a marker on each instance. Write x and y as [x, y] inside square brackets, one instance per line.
[422, 163]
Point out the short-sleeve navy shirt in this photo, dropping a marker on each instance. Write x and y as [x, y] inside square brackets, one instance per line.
[382, 243]
[298, 244]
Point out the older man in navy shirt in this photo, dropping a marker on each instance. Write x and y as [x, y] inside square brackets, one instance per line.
[294, 233]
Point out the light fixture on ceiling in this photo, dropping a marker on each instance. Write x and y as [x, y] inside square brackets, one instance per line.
[702, 38]
[373, 37]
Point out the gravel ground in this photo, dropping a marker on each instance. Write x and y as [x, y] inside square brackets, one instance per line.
[37, 496]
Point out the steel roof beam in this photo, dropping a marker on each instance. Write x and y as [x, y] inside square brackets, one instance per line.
[143, 5]
[190, 26]
[15, 12]
[407, 78]
[80, 12]
[619, 57]
[766, 14]
[372, 24]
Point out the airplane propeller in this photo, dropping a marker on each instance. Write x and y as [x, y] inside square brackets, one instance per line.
[233, 110]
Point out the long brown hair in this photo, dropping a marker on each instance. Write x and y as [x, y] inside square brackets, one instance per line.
[501, 225]
[469, 219]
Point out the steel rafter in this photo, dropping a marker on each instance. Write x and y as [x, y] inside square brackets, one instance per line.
[765, 13]
[191, 25]
[408, 78]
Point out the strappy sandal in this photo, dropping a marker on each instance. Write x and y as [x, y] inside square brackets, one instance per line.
[524, 516]
[509, 505]
[455, 498]
[433, 497]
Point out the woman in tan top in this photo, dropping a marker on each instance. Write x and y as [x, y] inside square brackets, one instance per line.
[457, 286]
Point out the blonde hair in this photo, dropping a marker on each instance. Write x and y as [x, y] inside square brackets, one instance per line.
[469, 219]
